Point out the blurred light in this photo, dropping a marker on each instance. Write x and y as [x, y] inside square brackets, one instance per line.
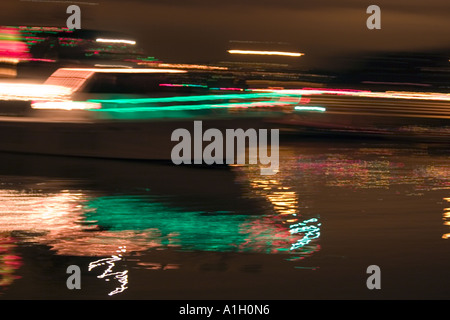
[446, 218]
[116, 41]
[435, 96]
[193, 107]
[228, 89]
[8, 72]
[39, 60]
[125, 70]
[191, 66]
[20, 91]
[151, 108]
[12, 48]
[111, 66]
[65, 105]
[272, 53]
[9, 60]
[182, 85]
[398, 83]
[193, 98]
[301, 108]
[285, 201]
[9, 261]
[55, 219]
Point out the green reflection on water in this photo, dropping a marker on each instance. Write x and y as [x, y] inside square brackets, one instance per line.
[193, 230]
[219, 231]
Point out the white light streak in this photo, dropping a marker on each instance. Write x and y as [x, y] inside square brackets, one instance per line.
[132, 42]
[125, 70]
[21, 91]
[65, 105]
[306, 108]
[272, 53]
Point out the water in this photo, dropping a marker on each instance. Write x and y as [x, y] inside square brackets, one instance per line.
[143, 230]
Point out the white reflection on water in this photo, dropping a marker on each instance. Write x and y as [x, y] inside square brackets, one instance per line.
[110, 263]
[53, 214]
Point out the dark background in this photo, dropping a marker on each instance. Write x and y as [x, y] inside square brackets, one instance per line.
[191, 31]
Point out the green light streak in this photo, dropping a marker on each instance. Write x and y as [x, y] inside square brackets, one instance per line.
[195, 98]
[188, 111]
[189, 85]
[191, 107]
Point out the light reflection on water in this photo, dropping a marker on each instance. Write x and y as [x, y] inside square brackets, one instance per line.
[9, 261]
[85, 223]
[446, 218]
[120, 276]
[74, 219]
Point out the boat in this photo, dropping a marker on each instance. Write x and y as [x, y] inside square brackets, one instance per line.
[125, 113]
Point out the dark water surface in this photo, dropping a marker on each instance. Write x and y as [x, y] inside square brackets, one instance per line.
[155, 231]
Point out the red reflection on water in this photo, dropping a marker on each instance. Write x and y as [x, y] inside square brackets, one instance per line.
[9, 261]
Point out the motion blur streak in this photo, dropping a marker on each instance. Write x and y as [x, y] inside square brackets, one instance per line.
[193, 107]
[190, 66]
[116, 41]
[22, 91]
[319, 109]
[11, 46]
[270, 53]
[66, 105]
[194, 98]
[367, 94]
[125, 70]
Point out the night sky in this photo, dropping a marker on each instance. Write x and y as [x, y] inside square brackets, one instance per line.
[200, 30]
